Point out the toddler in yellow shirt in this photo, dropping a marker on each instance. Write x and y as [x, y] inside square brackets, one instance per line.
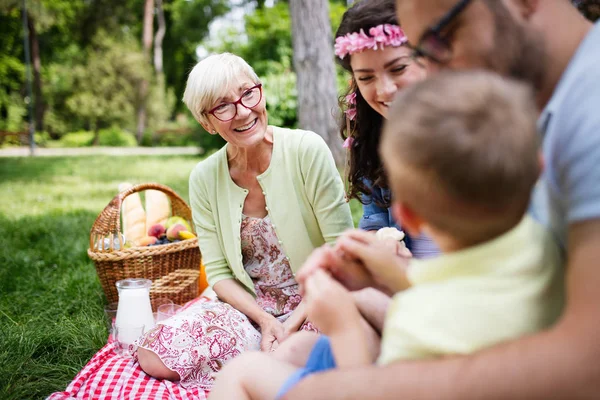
[461, 153]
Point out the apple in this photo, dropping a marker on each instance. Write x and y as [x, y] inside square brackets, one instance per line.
[173, 231]
[157, 230]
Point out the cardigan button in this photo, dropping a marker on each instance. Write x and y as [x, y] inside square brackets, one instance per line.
[280, 242]
[264, 193]
[267, 208]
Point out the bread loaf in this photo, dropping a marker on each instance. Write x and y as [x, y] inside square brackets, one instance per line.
[389, 233]
[133, 215]
[158, 209]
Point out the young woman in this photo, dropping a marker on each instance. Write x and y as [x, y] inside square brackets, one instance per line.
[371, 46]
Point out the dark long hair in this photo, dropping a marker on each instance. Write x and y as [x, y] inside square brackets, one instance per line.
[364, 162]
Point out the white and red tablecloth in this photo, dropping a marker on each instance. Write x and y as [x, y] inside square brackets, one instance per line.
[110, 376]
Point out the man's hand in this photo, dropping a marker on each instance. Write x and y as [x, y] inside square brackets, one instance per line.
[380, 260]
[329, 305]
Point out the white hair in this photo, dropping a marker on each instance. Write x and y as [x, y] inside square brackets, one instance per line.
[210, 78]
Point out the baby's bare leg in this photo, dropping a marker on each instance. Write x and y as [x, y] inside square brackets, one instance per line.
[296, 348]
[252, 375]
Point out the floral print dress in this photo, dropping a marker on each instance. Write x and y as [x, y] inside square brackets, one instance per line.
[200, 339]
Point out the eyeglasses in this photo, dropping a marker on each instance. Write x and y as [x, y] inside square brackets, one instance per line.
[227, 111]
[432, 44]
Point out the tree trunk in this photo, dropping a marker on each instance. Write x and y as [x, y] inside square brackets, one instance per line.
[144, 84]
[38, 100]
[315, 69]
[158, 39]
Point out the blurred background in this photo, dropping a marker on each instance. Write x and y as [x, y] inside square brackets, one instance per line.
[112, 72]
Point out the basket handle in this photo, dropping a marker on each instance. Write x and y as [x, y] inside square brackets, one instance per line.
[108, 223]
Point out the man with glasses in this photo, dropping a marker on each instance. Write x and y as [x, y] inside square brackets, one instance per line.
[550, 45]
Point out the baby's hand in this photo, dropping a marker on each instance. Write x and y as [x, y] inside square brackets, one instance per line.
[329, 305]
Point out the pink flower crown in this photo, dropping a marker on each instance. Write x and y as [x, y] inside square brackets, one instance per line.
[379, 36]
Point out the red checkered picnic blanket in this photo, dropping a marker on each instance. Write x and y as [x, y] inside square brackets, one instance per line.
[110, 376]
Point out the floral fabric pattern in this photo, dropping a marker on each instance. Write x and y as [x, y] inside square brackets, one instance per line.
[277, 291]
[201, 338]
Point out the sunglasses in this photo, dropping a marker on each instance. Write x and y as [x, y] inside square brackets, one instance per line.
[433, 44]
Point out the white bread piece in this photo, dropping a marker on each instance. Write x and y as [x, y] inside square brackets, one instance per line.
[132, 215]
[158, 209]
[389, 233]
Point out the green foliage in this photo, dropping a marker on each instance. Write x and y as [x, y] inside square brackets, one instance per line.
[91, 63]
[90, 57]
[108, 83]
[116, 137]
[76, 139]
[281, 94]
[15, 111]
[187, 25]
[112, 136]
[12, 74]
[41, 138]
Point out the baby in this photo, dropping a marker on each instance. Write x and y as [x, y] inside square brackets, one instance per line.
[462, 157]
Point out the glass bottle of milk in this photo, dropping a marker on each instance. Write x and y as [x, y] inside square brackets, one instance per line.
[134, 309]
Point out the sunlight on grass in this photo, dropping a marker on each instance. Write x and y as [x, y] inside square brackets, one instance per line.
[41, 185]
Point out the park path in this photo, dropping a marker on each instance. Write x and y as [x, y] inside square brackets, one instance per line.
[92, 151]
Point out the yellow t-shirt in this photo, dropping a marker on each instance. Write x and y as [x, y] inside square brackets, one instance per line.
[474, 298]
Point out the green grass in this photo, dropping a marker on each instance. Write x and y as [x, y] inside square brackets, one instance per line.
[51, 302]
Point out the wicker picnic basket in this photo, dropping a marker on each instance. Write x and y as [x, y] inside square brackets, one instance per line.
[173, 268]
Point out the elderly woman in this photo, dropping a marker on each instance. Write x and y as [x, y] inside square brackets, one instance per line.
[260, 204]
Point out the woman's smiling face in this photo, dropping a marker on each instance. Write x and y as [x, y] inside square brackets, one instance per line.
[249, 125]
[379, 74]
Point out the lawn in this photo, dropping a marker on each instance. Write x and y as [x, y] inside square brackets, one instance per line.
[51, 303]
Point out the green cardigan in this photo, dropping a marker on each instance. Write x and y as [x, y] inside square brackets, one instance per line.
[304, 195]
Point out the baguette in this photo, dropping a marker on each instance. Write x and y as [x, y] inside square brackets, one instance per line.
[133, 215]
[157, 208]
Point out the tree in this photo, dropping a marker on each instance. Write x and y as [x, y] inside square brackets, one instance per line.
[315, 70]
[42, 15]
[107, 85]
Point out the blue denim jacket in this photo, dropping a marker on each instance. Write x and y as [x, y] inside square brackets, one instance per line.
[376, 217]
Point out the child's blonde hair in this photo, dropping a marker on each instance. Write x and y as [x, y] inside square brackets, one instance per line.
[212, 77]
[461, 150]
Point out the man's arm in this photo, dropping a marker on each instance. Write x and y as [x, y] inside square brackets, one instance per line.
[561, 363]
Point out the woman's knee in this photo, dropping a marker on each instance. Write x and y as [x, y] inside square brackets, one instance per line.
[152, 365]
